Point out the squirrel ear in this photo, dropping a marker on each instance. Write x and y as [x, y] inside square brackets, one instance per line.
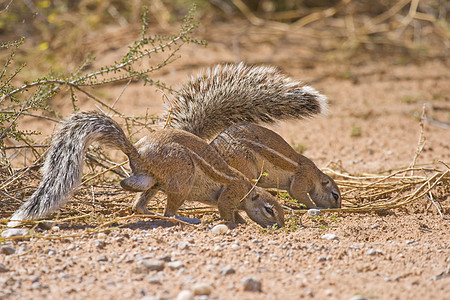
[137, 183]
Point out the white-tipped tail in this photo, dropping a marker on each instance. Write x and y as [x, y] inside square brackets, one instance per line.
[64, 162]
[321, 99]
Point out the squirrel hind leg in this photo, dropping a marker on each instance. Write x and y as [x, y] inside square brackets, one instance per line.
[138, 183]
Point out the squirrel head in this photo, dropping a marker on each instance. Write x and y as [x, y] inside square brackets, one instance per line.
[326, 192]
[263, 208]
[315, 189]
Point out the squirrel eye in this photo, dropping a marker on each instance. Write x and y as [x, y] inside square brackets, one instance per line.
[255, 197]
[325, 182]
[269, 210]
[335, 195]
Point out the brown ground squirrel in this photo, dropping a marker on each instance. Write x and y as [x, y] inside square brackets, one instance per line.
[179, 163]
[230, 100]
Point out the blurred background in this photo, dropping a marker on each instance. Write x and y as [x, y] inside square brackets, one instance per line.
[64, 32]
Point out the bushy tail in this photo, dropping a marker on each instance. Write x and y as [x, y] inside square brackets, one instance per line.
[63, 164]
[237, 93]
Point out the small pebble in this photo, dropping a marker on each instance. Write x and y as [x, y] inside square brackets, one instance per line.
[219, 229]
[129, 260]
[329, 237]
[358, 297]
[102, 257]
[185, 295]
[14, 232]
[99, 244]
[154, 279]
[371, 252]
[55, 228]
[227, 270]
[3, 268]
[235, 247]
[45, 225]
[34, 278]
[183, 246]
[23, 249]
[313, 212]
[202, 289]
[251, 284]
[153, 265]
[210, 268]
[165, 258]
[150, 298]
[36, 285]
[175, 265]
[7, 250]
[101, 235]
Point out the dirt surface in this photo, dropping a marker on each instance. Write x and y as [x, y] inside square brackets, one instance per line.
[373, 125]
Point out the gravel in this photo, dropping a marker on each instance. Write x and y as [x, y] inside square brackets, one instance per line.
[313, 212]
[251, 284]
[99, 244]
[182, 263]
[3, 268]
[185, 295]
[152, 265]
[102, 258]
[175, 265]
[219, 229]
[227, 270]
[202, 289]
[7, 250]
[330, 237]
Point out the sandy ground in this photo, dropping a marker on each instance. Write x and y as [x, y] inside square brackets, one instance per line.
[373, 125]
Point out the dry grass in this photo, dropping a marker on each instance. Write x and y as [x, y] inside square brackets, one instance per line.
[352, 30]
[392, 189]
[101, 203]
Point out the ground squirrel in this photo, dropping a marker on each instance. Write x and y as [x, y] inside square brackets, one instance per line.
[179, 163]
[230, 100]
